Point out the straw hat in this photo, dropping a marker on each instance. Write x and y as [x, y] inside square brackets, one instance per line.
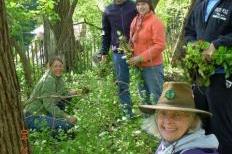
[176, 96]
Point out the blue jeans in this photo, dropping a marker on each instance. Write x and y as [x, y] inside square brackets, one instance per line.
[122, 77]
[39, 122]
[151, 85]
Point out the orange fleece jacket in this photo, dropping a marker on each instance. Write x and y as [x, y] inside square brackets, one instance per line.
[147, 36]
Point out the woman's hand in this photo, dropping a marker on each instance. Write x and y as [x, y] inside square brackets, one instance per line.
[72, 92]
[72, 119]
[135, 60]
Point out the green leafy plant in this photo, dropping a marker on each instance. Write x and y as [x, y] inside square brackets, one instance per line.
[223, 57]
[124, 46]
[99, 128]
[198, 70]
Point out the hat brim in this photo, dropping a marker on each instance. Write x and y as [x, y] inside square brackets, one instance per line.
[150, 109]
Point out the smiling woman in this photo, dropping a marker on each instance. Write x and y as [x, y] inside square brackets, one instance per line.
[46, 106]
[147, 39]
[172, 125]
[144, 6]
[56, 66]
[178, 122]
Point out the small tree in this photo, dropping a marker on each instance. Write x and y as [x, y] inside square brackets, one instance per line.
[64, 32]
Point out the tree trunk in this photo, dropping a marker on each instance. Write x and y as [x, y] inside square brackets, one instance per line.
[178, 51]
[47, 39]
[49, 43]
[25, 64]
[155, 3]
[64, 32]
[11, 119]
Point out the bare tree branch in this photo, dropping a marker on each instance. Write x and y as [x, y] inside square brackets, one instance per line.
[88, 23]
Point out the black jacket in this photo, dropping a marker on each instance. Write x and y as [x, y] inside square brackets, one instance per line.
[116, 18]
[217, 29]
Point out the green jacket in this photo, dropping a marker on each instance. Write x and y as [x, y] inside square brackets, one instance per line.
[41, 102]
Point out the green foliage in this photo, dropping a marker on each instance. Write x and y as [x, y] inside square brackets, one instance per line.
[37, 73]
[47, 8]
[20, 19]
[124, 46]
[198, 70]
[88, 11]
[223, 57]
[100, 128]
[173, 73]
[172, 13]
[103, 69]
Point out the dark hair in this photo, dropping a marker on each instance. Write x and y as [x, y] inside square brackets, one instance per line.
[149, 2]
[56, 58]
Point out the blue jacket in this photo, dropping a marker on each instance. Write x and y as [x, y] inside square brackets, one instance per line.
[116, 18]
[199, 151]
[191, 143]
[217, 29]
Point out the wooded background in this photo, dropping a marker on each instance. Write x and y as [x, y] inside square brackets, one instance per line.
[32, 31]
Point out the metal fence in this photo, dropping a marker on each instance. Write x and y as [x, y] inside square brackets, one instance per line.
[35, 54]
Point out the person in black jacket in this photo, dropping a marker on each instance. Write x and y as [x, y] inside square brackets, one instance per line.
[116, 19]
[211, 21]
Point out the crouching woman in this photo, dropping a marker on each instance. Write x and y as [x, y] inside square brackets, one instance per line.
[178, 123]
[46, 106]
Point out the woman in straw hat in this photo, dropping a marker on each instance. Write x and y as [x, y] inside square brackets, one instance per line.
[178, 123]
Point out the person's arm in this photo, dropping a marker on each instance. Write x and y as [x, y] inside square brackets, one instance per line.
[158, 42]
[37, 89]
[49, 103]
[224, 40]
[106, 34]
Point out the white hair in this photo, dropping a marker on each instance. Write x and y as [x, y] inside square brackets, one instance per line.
[149, 125]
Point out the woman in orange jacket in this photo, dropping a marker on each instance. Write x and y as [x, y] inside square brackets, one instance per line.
[147, 37]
